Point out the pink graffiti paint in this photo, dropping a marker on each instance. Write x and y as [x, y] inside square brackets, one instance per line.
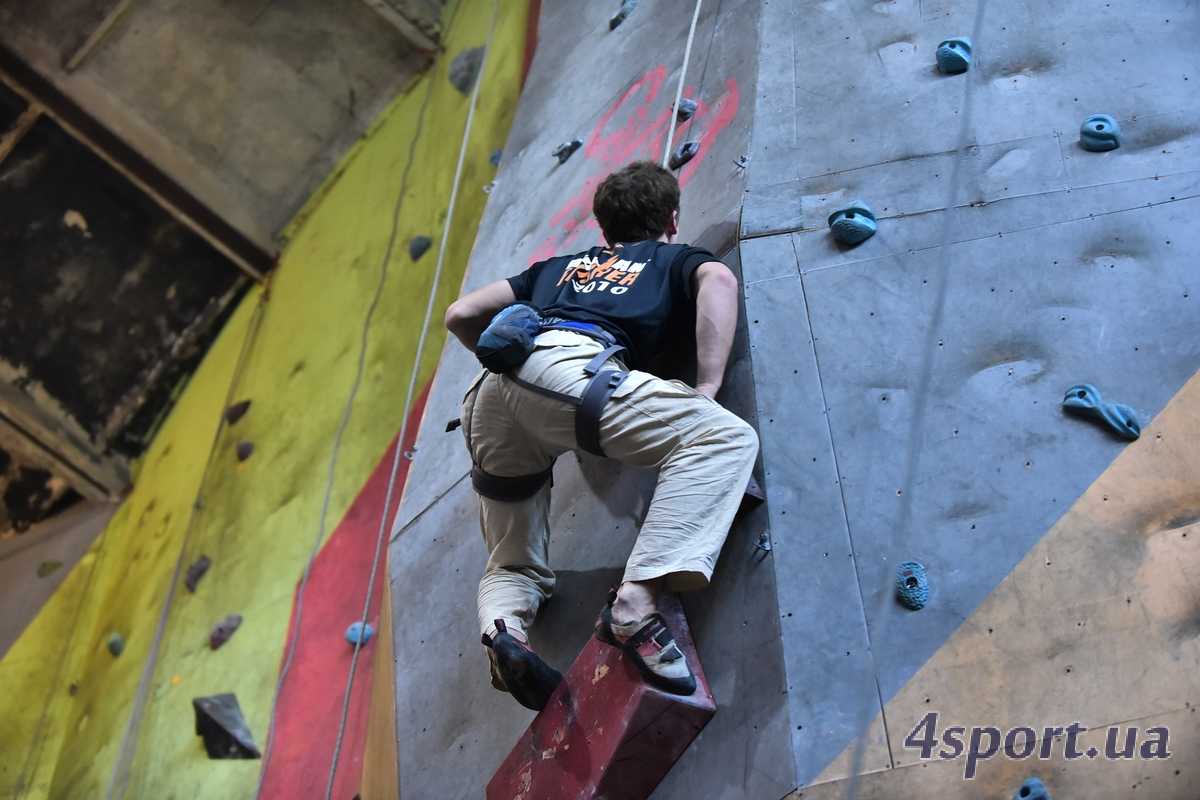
[634, 127]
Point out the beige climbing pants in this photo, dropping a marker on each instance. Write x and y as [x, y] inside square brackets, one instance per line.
[703, 452]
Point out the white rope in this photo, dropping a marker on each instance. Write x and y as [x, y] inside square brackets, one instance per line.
[412, 384]
[335, 449]
[687, 56]
[916, 431]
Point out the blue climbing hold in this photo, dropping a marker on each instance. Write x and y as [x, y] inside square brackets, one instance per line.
[495, 157]
[685, 110]
[683, 154]
[627, 7]
[1100, 132]
[115, 644]
[1032, 789]
[912, 586]
[853, 224]
[954, 55]
[566, 150]
[1084, 400]
[359, 633]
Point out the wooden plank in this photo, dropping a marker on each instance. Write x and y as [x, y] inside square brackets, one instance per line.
[13, 136]
[97, 36]
[411, 33]
[171, 196]
[381, 756]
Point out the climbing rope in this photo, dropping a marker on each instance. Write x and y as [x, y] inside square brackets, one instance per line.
[916, 431]
[335, 450]
[687, 56]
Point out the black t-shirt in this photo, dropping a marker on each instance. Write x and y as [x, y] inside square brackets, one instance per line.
[640, 292]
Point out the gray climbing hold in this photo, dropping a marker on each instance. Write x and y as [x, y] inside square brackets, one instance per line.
[244, 450]
[417, 246]
[1084, 400]
[1100, 132]
[1032, 789]
[954, 55]
[495, 157]
[220, 722]
[683, 154]
[686, 109]
[115, 644]
[627, 7]
[359, 632]
[195, 572]
[236, 411]
[912, 585]
[853, 224]
[464, 69]
[566, 150]
[48, 568]
[223, 631]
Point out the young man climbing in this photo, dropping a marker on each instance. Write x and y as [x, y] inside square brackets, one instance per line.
[563, 349]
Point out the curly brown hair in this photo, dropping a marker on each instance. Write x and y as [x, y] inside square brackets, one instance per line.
[635, 203]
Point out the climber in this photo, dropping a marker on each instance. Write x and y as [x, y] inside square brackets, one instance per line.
[582, 325]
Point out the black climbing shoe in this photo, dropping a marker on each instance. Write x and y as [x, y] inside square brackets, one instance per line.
[523, 674]
[652, 648]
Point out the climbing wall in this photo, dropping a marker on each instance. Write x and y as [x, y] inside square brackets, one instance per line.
[1061, 266]
[614, 91]
[1059, 555]
[74, 725]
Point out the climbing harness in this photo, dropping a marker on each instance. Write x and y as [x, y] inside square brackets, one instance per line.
[1084, 400]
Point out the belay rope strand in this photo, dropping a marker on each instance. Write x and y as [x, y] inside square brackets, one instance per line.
[687, 56]
[916, 431]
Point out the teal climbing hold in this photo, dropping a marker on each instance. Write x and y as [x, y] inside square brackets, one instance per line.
[853, 224]
[359, 633]
[115, 644]
[1084, 400]
[1100, 132]
[954, 55]
[912, 585]
[1032, 789]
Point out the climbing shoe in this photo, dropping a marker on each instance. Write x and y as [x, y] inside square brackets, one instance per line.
[518, 670]
[652, 647]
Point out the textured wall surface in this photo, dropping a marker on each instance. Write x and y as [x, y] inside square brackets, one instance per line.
[67, 701]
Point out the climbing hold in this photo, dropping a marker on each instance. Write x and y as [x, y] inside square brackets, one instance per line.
[853, 224]
[115, 644]
[359, 633]
[220, 722]
[48, 568]
[566, 150]
[683, 154]
[685, 110]
[418, 245]
[1032, 789]
[1084, 400]
[752, 498]
[954, 55]
[244, 450]
[495, 157]
[464, 69]
[1100, 132]
[912, 586]
[195, 572]
[236, 411]
[627, 7]
[223, 631]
